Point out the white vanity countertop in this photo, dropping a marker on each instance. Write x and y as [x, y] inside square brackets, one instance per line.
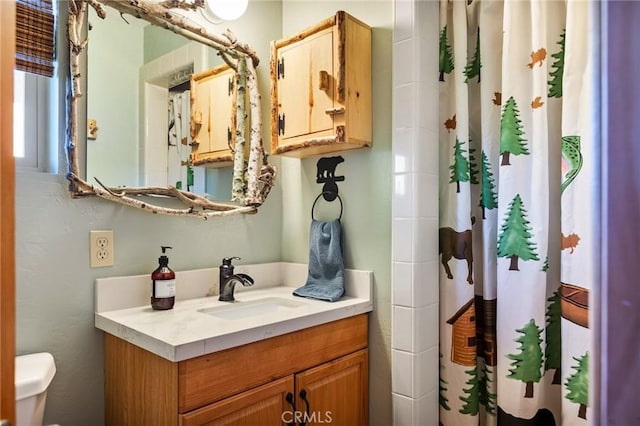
[123, 309]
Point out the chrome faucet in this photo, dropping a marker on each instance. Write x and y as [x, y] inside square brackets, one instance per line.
[228, 280]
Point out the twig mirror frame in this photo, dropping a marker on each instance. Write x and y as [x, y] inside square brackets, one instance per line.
[253, 178]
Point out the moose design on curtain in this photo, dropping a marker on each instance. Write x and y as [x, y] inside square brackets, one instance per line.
[518, 228]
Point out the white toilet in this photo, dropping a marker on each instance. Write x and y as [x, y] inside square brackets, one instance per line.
[34, 373]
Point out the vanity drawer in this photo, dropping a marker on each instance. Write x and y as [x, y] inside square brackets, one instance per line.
[264, 405]
[212, 377]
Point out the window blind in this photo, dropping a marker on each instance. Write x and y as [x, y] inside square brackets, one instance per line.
[35, 36]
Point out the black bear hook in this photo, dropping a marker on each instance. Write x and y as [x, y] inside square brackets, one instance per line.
[327, 174]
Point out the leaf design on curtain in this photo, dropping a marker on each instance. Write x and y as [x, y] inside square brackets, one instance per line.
[555, 83]
[488, 195]
[473, 68]
[446, 58]
[450, 123]
[514, 241]
[578, 385]
[537, 102]
[553, 342]
[511, 141]
[527, 364]
[460, 167]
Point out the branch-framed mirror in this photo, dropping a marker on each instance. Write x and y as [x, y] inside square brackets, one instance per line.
[252, 175]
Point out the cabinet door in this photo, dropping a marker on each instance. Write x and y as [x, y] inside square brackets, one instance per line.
[213, 114]
[335, 392]
[265, 405]
[302, 99]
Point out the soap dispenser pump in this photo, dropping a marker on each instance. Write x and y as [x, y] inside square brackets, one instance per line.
[163, 284]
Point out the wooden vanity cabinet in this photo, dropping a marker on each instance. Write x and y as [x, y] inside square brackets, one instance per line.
[321, 88]
[330, 393]
[213, 116]
[253, 384]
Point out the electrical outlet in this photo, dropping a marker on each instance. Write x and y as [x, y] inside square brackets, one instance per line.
[101, 248]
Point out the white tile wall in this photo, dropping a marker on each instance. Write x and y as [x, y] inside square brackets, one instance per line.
[415, 354]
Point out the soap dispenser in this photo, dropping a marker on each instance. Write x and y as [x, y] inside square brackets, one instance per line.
[163, 284]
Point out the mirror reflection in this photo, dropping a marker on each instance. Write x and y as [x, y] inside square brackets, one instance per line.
[253, 176]
[139, 108]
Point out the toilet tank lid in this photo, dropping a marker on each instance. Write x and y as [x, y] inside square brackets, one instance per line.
[34, 373]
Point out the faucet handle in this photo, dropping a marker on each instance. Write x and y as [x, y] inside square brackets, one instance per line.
[227, 260]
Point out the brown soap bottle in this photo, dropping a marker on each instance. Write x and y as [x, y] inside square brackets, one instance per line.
[163, 284]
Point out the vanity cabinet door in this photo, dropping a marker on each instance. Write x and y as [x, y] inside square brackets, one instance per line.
[335, 392]
[262, 406]
[213, 116]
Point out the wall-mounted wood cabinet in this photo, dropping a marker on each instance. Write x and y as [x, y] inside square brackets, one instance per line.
[213, 116]
[319, 372]
[321, 88]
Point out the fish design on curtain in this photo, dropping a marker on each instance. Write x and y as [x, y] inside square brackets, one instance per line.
[518, 211]
[179, 170]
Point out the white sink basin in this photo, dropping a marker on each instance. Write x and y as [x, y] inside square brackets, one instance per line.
[240, 310]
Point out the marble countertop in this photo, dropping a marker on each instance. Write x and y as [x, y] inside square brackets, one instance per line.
[123, 310]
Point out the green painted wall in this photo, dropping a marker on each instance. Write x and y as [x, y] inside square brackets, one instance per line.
[111, 91]
[366, 191]
[158, 41]
[55, 284]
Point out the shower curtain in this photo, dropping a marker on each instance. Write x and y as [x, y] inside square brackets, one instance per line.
[518, 223]
[179, 170]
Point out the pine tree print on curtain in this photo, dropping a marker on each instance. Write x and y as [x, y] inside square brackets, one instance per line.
[527, 364]
[515, 239]
[511, 140]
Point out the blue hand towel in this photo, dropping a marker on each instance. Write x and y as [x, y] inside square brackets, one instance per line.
[325, 280]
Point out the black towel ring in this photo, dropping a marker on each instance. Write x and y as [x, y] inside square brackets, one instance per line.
[320, 195]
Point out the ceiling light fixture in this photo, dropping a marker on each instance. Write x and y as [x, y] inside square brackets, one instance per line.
[216, 11]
